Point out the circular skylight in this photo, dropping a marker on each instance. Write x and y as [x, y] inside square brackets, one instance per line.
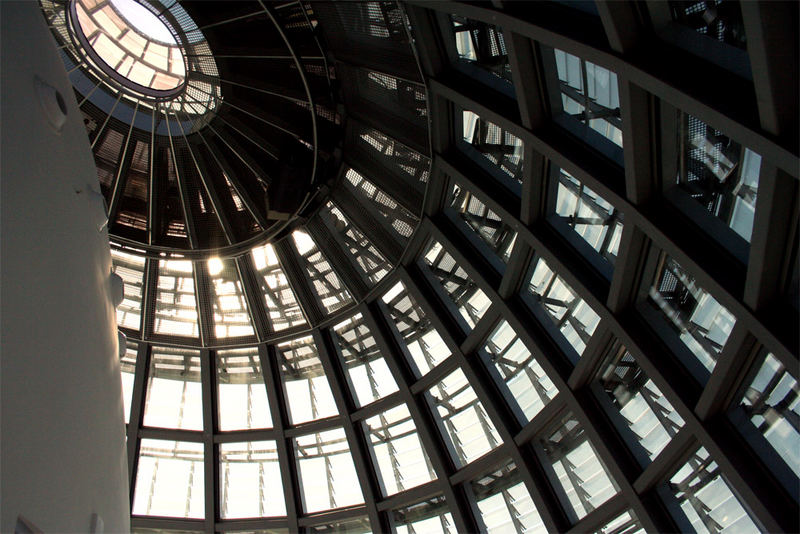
[131, 44]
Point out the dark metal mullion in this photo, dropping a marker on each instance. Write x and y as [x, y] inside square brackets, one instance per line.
[256, 302]
[138, 399]
[370, 489]
[149, 293]
[186, 209]
[299, 280]
[211, 450]
[204, 294]
[152, 191]
[123, 168]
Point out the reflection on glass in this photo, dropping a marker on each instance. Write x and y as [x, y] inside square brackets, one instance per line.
[242, 395]
[583, 481]
[369, 260]
[705, 501]
[626, 523]
[501, 148]
[505, 504]
[462, 419]
[131, 269]
[482, 45]
[650, 418]
[397, 451]
[308, 393]
[176, 311]
[128, 370]
[719, 174]
[231, 316]
[250, 480]
[721, 21]
[431, 516]
[588, 215]
[326, 471]
[771, 403]
[486, 224]
[284, 311]
[571, 315]
[528, 386]
[590, 94]
[329, 287]
[701, 322]
[421, 343]
[368, 375]
[468, 298]
[169, 479]
[174, 392]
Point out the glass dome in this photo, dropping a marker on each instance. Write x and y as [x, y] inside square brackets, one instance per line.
[508, 294]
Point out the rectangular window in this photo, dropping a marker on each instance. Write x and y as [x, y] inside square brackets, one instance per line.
[169, 479]
[330, 289]
[431, 517]
[131, 269]
[176, 306]
[281, 302]
[242, 394]
[482, 45]
[505, 504]
[231, 315]
[174, 392]
[250, 480]
[500, 149]
[305, 384]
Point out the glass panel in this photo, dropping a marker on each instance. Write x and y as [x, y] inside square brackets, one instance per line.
[282, 306]
[128, 370]
[174, 392]
[626, 523]
[590, 94]
[399, 219]
[328, 477]
[462, 419]
[368, 375]
[169, 479]
[369, 260]
[400, 460]
[308, 394]
[649, 417]
[581, 476]
[242, 394]
[131, 269]
[395, 156]
[588, 215]
[482, 45]
[431, 517]
[706, 503]
[486, 224]
[176, 311]
[721, 21]
[331, 291]
[422, 344]
[571, 315]
[250, 480]
[771, 402]
[528, 388]
[501, 148]
[352, 526]
[231, 315]
[505, 504]
[468, 298]
[719, 174]
[701, 322]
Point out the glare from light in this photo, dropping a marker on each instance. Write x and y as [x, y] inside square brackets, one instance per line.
[144, 20]
[215, 266]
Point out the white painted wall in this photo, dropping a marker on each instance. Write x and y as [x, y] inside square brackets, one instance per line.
[62, 442]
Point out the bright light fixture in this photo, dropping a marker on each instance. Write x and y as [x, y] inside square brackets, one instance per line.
[214, 266]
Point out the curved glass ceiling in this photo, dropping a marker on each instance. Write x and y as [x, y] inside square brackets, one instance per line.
[133, 42]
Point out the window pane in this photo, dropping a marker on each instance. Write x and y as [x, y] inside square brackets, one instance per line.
[501, 148]
[771, 404]
[174, 392]
[650, 420]
[527, 386]
[250, 480]
[399, 458]
[564, 308]
[282, 306]
[705, 502]
[176, 311]
[352, 526]
[470, 301]
[128, 370]
[368, 375]
[486, 224]
[462, 419]
[410, 164]
[242, 395]
[331, 291]
[583, 481]
[231, 315]
[169, 479]
[401, 221]
[701, 322]
[131, 269]
[327, 475]
[421, 343]
[482, 45]
[431, 517]
[626, 523]
[721, 21]
[505, 504]
[308, 393]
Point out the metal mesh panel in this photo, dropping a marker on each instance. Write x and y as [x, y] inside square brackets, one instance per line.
[308, 392]
[328, 286]
[231, 314]
[176, 307]
[281, 302]
[391, 154]
[131, 269]
[399, 219]
[402, 98]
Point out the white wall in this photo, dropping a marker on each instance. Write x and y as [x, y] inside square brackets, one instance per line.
[62, 440]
